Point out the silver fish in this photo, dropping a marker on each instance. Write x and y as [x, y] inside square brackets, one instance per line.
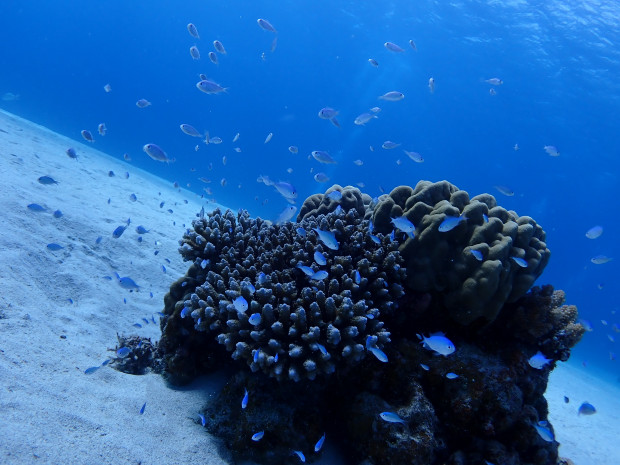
[594, 232]
[392, 96]
[210, 87]
[388, 145]
[87, 135]
[415, 156]
[362, 119]
[193, 31]
[551, 150]
[321, 177]
[156, 153]
[392, 47]
[507, 191]
[286, 215]
[219, 47]
[600, 259]
[323, 157]
[266, 25]
[286, 189]
[190, 130]
[327, 113]
[10, 97]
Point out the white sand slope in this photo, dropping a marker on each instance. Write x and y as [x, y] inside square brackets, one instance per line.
[586, 440]
[50, 411]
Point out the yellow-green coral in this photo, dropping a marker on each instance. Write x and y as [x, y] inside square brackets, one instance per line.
[472, 290]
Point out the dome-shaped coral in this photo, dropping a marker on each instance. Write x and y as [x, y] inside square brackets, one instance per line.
[350, 197]
[488, 255]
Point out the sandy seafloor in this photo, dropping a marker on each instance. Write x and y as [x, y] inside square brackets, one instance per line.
[50, 411]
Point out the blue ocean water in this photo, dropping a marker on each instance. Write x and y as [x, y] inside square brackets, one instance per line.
[558, 61]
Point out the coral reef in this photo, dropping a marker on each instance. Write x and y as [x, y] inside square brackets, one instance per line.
[490, 257]
[323, 320]
[265, 298]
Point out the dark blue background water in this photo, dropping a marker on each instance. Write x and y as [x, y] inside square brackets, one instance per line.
[558, 60]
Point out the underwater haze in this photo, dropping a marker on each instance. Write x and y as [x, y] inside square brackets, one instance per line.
[518, 98]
